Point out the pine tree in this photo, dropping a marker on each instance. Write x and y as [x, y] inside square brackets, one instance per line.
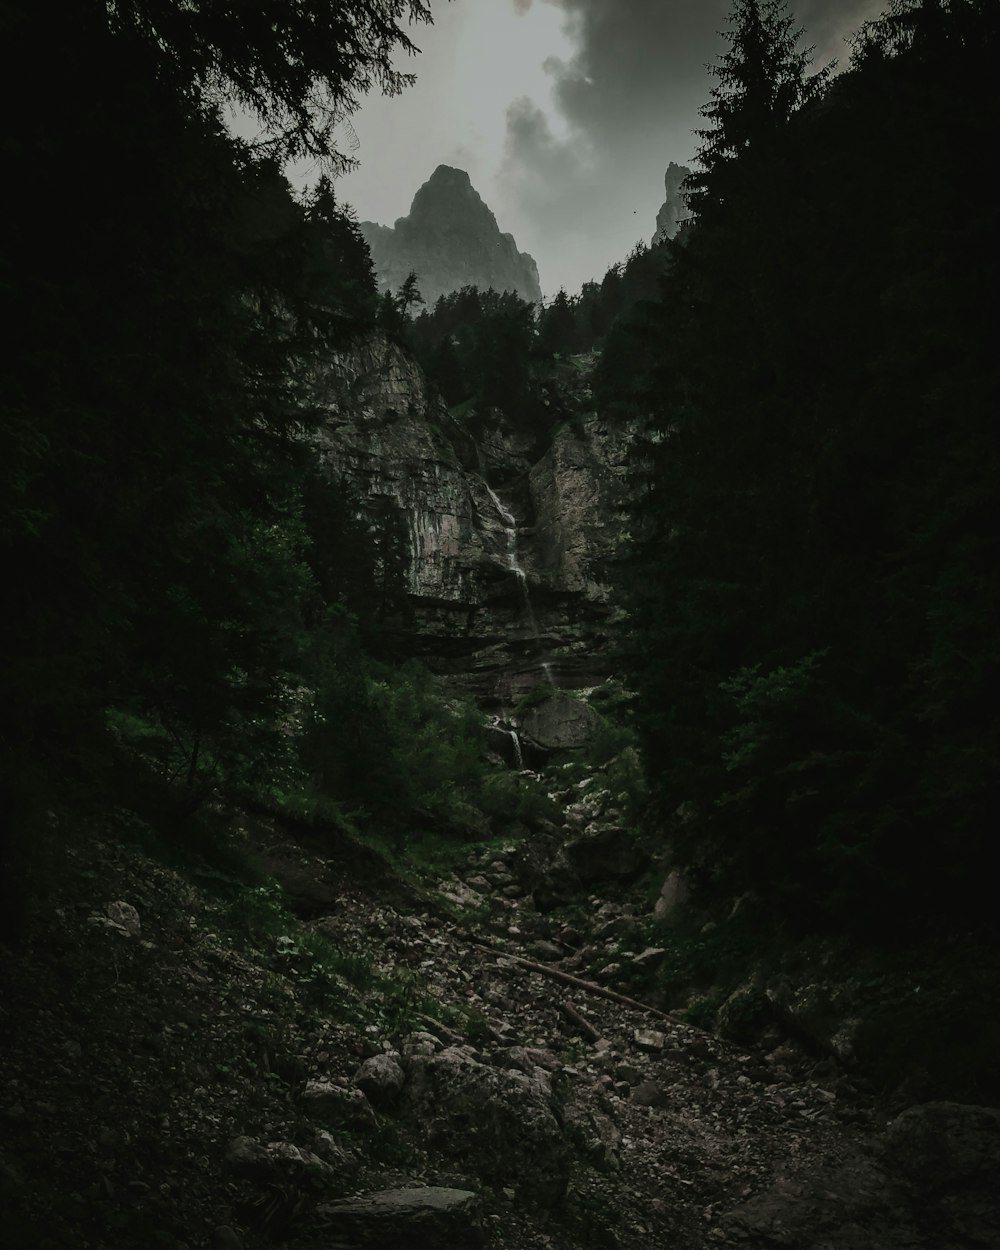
[761, 82]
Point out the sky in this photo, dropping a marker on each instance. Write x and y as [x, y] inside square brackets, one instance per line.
[565, 114]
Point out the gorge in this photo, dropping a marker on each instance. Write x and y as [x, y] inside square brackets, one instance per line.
[510, 535]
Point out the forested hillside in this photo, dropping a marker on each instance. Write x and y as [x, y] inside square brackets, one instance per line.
[816, 565]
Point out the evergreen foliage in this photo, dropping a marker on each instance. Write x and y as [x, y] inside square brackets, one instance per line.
[816, 550]
[180, 571]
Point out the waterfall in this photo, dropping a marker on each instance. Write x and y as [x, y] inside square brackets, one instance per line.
[513, 561]
[504, 727]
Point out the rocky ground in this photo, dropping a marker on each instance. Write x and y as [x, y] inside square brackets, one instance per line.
[188, 1064]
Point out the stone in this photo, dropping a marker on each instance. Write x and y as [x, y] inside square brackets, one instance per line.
[500, 1123]
[650, 1040]
[276, 1163]
[674, 893]
[648, 1094]
[559, 723]
[425, 1218]
[125, 916]
[336, 1107]
[420, 1043]
[651, 957]
[380, 1079]
[946, 1144]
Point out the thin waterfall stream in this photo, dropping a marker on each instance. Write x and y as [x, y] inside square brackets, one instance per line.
[514, 564]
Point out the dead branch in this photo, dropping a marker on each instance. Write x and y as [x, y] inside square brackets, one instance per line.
[580, 1022]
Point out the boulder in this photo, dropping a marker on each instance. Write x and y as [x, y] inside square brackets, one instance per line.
[947, 1144]
[381, 1080]
[673, 894]
[609, 854]
[426, 1218]
[336, 1107]
[559, 723]
[276, 1163]
[501, 1123]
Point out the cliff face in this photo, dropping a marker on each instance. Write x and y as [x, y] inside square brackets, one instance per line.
[450, 239]
[509, 545]
[674, 209]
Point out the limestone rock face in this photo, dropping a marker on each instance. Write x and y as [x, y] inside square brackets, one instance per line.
[450, 239]
[674, 209]
[559, 723]
[507, 542]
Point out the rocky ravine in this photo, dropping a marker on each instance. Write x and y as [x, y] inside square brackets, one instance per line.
[163, 1079]
[508, 541]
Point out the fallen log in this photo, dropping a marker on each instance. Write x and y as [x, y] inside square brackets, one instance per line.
[590, 986]
[580, 1022]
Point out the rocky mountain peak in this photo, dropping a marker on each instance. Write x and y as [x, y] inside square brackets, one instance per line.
[450, 239]
[674, 209]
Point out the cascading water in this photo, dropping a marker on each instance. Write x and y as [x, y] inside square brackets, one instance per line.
[514, 564]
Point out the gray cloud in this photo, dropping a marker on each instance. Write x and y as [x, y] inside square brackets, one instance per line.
[628, 98]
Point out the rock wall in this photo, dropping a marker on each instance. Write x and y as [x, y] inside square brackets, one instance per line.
[510, 538]
[450, 239]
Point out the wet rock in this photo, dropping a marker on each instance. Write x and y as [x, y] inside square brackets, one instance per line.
[426, 1218]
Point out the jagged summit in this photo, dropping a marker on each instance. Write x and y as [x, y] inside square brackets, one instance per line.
[451, 239]
[674, 209]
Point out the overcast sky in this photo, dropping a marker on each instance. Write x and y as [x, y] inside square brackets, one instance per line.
[565, 113]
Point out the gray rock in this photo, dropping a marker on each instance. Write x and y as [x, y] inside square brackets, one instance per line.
[650, 957]
[648, 1094]
[941, 1144]
[380, 1079]
[500, 1123]
[428, 1218]
[559, 723]
[674, 894]
[336, 1107]
[276, 1163]
[650, 1040]
[125, 916]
